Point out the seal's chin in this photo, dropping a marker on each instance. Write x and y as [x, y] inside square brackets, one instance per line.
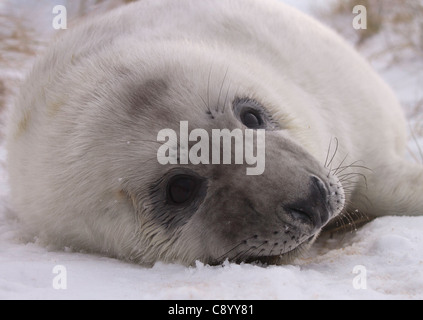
[285, 258]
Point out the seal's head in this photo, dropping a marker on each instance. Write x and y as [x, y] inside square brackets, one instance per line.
[146, 211]
[95, 180]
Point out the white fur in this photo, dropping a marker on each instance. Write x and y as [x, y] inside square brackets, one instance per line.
[317, 86]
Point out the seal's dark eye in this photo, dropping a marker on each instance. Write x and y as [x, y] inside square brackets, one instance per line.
[182, 189]
[251, 119]
[253, 114]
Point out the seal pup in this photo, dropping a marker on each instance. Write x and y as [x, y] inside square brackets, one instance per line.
[82, 137]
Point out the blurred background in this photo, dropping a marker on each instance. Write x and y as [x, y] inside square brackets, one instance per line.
[392, 42]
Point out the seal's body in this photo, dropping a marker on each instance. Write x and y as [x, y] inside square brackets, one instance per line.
[83, 144]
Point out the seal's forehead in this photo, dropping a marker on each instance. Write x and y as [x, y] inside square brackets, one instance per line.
[148, 94]
[152, 103]
[171, 98]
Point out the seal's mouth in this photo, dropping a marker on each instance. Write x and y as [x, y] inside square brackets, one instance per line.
[284, 258]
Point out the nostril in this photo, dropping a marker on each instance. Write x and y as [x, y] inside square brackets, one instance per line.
[311, 209]
[300, 215]
[319, 188]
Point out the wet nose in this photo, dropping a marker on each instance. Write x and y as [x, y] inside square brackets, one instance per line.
[313, 208]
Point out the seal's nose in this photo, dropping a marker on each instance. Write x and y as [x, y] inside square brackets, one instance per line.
[312, 209]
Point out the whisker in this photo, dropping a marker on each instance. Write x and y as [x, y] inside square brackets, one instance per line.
[271, 250]
[256, 248]
[327, 154]
[329, 150]
[208, 87]
[354, 166]
[342, 162]
[334, 154]
[226, 98]
[243, 242]
[221, 88]
[240, 256]
[205, 104]
[139, 140]
[225, 255]
[345, 175]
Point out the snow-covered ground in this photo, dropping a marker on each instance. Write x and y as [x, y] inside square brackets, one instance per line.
[382, 260]
[386, 255]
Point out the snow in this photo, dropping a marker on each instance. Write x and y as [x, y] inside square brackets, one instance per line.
[382, 260]
[390, 250]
